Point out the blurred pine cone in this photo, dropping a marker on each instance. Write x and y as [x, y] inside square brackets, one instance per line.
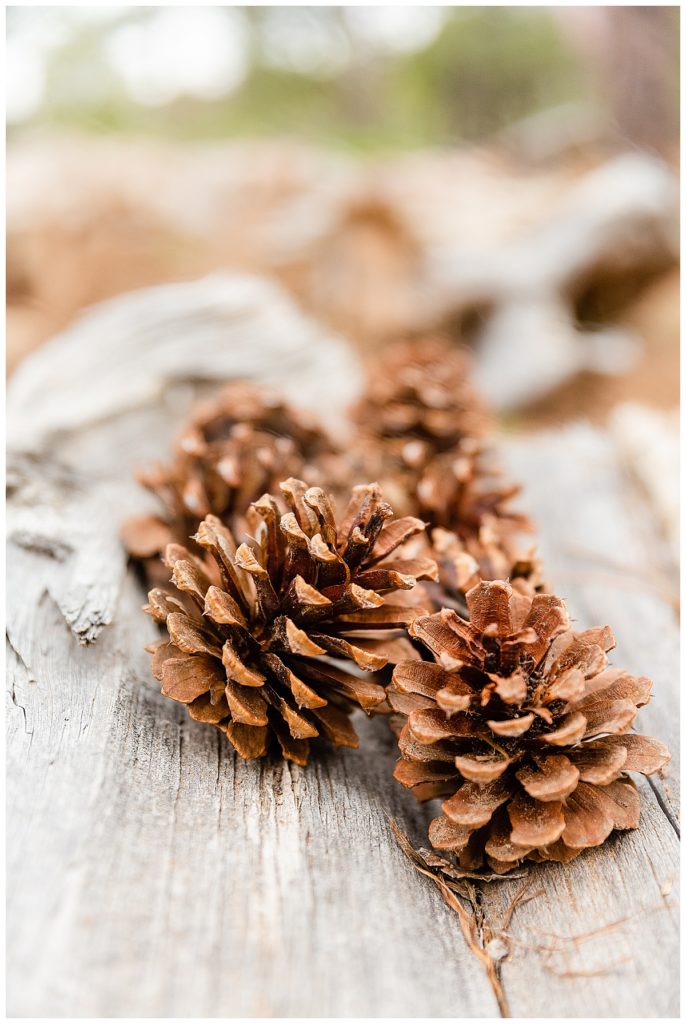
[460, 490]
[520, 719]
[495, 552]
[418, 404]
[422, 431]
[421, 388]
[233, 449]
[252, 627]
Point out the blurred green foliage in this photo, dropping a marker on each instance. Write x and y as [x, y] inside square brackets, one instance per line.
[484, 69]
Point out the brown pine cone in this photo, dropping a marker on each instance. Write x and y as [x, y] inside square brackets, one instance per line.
[422, 430]
[460, 490]
[420, 389]
[234, 447]
[252, 627]
[520, 719]
[495, 552]
[419, 404]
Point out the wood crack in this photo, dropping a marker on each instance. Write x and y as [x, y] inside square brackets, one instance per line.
[663, 805]
[233, 899]
[467, 900]
[19, 656]
[13, 698]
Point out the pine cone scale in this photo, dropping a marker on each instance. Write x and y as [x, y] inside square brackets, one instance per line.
[475, 803]
[245, 704]
[184, 679]
[645, 754]
[482, 767]
[535, 822]
[550, 778]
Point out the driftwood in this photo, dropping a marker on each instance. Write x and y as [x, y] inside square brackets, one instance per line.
[153, 873]
[620, 219]
[462, 238]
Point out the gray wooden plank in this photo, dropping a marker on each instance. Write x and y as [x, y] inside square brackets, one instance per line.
[602, 937]
[625, 893]
[155, 874]
[604, 553]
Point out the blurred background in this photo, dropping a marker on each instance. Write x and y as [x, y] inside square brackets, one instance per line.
[307, 185]
[503, 175]
[372, 79]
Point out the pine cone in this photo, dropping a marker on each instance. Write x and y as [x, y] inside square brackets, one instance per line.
[421, 389]
[422, 431]
[419, 404]
[234, 447]
[460, 491]
[520, 719]
[496, 552]
[252, 627]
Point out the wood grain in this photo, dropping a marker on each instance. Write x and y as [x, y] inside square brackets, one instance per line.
[597, 534]
[607, 556]
[153, 873]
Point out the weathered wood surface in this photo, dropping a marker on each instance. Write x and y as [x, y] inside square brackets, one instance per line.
[598, 538]
[153, 873]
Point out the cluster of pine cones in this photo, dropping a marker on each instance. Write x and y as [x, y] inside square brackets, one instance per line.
[288, 594]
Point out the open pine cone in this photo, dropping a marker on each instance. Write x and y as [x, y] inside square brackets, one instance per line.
[460, 491]
[422, 430]
[233, 449]
[419, 404]
[421, 390]
[252, 628]
[495, 552]
[520, 719]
